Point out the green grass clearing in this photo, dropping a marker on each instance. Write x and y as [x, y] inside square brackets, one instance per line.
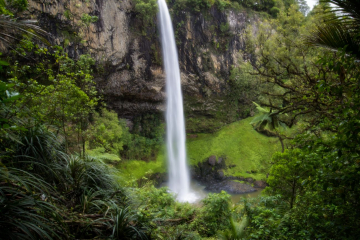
[136, 169]
[243, 147]
[101, 154]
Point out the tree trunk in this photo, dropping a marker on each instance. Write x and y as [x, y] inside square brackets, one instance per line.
[282, 143]
[83, 146]
[293, 194]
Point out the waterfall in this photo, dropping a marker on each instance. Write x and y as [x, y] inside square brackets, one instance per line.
[179, 177]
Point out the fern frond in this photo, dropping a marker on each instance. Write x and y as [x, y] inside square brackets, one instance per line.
[261, 109]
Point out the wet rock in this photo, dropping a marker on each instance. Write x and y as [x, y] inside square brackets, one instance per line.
[129, 124]
[212, 160]
[230, 186]
[192, 173]
[241, 178]
[210, 173]
[249, 180]
[166, 178]
[220, 174]
[260, 184]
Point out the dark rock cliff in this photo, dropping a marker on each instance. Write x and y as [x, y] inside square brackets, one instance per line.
[129, 72]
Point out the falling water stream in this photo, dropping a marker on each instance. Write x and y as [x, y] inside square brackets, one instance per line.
[179, 176]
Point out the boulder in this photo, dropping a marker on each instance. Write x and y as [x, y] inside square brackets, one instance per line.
[220, 174]
[249, 180]
[212, 160]
[260, 184]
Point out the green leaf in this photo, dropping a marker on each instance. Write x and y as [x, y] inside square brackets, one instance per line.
[3, 63]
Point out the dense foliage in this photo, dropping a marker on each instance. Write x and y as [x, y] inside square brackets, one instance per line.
[316, 181]
[55, 137]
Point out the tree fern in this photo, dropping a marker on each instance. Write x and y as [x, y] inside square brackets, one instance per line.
[268, 118]
[236, 230]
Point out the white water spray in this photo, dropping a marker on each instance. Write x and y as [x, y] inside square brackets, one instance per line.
[179, 177]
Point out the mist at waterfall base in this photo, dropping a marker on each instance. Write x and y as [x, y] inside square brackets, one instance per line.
[179, 176]
[200, 192]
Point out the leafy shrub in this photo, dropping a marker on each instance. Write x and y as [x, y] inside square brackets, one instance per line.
[139, 147]
[244, 88]
[155, 198]
[198, 5]
[56, 90]
[224, 27]
[8, 7]
[236, 6]
[222, 4]
[87, 19]
[274, 11]
[287, 174]
[147, 10]
[214, 215]
[265, 217]
[67, 14]
[106, 132]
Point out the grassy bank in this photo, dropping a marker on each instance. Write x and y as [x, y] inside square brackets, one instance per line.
[136, 169]
[238, 142]
[241, 144]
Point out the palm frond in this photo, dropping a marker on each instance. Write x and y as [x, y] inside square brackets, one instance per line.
[261, 118]
[347, 10]
[340, 30]
[37, 151]
[335, 36]
[10, 28]
[77, 175]
[24, 215]
[236, 230]
[124, 227]
[90, 201]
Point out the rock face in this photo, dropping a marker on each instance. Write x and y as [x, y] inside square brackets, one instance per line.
[130, 74]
